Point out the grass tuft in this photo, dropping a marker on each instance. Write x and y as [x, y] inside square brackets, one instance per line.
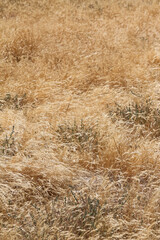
[22, 45]
[140, 114]
[15, 102]
[8, 145]
[79, 137]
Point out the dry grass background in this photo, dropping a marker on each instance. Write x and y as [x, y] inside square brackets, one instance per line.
[79, 119]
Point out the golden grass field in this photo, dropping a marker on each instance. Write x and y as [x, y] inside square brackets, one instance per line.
[79, 119]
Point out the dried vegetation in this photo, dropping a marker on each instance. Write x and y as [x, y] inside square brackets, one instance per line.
[79, 120]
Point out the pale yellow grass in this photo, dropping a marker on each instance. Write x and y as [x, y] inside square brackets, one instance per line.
[80, 119]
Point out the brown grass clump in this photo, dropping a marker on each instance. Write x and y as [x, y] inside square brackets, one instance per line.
[79, 120]
[22, 45]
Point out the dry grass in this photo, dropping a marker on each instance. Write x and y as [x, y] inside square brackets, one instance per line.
[79, 120]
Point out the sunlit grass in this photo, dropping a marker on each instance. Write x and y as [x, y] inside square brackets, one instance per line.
[79, 120]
